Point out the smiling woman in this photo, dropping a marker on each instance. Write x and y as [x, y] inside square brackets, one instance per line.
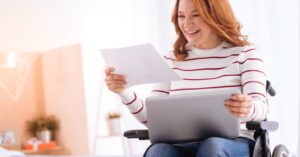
[210, 55]
[41, 25]
[262, 23]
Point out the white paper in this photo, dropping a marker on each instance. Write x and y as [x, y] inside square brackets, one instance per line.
[140, 64]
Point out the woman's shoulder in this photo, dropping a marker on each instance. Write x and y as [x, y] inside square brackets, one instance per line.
[249, 51]
[247, 48]
[169, 56]
[240, 49]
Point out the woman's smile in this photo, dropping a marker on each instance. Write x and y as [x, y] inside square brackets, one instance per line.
[192, 33]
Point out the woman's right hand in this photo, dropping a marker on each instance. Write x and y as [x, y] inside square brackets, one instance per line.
[115, 82]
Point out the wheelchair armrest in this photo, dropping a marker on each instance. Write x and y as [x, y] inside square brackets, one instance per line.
[270, 90]
[262, 125]
[140, 134]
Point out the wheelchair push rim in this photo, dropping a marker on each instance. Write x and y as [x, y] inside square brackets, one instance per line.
[280, 151]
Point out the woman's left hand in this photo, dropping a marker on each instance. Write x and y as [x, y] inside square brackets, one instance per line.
[239, 105]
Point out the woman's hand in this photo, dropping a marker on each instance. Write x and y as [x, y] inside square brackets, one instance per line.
[115, 82]
[239, 105]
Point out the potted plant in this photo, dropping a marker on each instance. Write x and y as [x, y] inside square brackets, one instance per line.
[114, 123]
[43, 127]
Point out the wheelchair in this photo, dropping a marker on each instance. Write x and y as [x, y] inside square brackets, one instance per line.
[261, 129]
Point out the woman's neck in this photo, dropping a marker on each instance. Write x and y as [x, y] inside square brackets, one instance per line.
[210, 43]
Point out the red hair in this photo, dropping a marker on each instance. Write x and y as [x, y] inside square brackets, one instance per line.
[219, 17]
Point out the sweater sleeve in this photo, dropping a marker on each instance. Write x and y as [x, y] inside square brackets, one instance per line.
[253, 78]
[137, 106]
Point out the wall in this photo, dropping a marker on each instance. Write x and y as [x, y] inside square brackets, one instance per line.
[13, 114]
[39, 25]
[53, 86]
[64, 96]
[35, 26]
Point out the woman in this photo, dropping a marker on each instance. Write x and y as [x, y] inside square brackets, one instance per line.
[210, 54]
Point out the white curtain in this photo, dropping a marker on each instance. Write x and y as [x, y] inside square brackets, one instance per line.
[274, 27]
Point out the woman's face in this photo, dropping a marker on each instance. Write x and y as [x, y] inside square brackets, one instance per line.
[194, 28]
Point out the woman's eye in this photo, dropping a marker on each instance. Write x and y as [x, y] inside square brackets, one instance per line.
[180, 16]
[196, 15]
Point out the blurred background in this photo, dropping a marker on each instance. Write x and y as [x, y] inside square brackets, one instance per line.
[51, 71]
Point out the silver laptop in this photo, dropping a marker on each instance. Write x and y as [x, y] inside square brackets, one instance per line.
[190, 117]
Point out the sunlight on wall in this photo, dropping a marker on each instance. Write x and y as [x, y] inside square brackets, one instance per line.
[16, 72]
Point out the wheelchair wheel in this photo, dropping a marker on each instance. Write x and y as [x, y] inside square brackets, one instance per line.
[280, 151]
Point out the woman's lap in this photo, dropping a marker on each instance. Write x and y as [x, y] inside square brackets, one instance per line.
[210, 147]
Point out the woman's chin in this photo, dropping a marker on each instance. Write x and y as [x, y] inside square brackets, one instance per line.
[193, 41]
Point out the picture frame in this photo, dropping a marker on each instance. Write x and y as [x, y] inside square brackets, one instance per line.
[8, 139]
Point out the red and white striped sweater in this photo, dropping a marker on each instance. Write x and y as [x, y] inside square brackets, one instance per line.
[215, 69]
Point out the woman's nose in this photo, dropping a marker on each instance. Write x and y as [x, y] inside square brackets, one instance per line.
[188, 22]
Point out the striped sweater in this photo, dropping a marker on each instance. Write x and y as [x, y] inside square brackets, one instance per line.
[220, 68]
